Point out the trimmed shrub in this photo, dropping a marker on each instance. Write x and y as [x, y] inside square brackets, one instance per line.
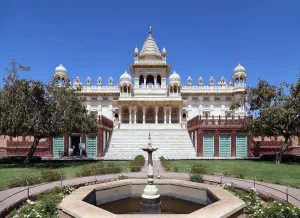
[196, 178]
[286, 158]
[122, 177]
[198, 169]
[238, 173]
[19, 160]
[52, 175]
[176, 169]
[30, 178]
[98, 169]
[164, 163]
[137, 163]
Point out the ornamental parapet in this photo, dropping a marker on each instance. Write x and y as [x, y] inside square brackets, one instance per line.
[217, 121]
[113, 89]
[219, 89]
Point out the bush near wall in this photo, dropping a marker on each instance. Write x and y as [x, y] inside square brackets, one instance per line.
[137, 163]
[286, 158]
[19, 160]
[98, 169]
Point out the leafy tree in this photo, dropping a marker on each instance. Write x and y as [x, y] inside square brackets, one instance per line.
[29, 107]
[278, 112]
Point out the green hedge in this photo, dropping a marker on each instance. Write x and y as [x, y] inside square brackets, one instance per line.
[286, 158]
[18, 159]
[137, 163]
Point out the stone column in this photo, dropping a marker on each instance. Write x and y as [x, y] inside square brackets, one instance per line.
[144, 80]
[165, 115]
[233, 143]
[120, 114]
[217, 143]
[155, 81]
[130, 117]
[144, 113]
[170, 113]
[180, 114]
[156, 112]
[135, 111]
[199, 143]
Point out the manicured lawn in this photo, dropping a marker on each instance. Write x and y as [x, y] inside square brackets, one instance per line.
[266, 171]
[9, 171]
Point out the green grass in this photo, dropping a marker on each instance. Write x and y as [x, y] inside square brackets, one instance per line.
[9, 171]
[266, 171]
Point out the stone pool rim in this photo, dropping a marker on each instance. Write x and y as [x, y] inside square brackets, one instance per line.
[74, 205]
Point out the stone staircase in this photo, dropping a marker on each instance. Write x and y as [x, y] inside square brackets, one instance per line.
[172, 143]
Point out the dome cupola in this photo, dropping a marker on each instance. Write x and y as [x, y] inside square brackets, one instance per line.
[174, 77]
[239, 76]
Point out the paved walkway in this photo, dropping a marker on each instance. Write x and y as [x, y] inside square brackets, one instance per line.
[10, 197]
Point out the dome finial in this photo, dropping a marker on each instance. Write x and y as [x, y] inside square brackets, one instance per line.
[150, 30]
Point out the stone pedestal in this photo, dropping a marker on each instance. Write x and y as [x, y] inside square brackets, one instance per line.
[151, 206]
[150, 203]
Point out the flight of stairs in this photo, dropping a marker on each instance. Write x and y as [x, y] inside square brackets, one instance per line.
[172, 143]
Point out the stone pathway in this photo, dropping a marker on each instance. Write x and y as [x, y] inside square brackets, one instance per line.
[11, 197]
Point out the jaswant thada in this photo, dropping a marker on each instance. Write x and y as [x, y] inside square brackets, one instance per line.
[151, 99]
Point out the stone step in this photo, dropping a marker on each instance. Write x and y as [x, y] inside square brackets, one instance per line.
[172, 142]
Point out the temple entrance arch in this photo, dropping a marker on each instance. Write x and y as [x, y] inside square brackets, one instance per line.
[150, 80]
[158, 80]
[160, 115]
[150, 115]
[175, 115]
[125, 115]
[141, 80]
[139, 115]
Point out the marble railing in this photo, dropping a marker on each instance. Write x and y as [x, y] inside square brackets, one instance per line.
[237, 87]
[125, 94]
[99, 89]
[149, 86]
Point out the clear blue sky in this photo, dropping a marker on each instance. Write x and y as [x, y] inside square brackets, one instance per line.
[203, 38]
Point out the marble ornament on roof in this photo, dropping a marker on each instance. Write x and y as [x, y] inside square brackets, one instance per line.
[88, 81]
[189, 81]
[200, 81]
[222, 82]
[99, 81]
[211, 81]
[110, 81]
[77, 83]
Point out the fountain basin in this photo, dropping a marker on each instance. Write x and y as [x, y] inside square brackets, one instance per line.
[213, 201]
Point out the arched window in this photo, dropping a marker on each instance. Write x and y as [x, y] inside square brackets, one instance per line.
[125, 89]
[175, 89]
[158, 80]
[150, 80]
[141, 80]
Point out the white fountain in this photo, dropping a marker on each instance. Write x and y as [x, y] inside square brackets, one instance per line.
[150, 202]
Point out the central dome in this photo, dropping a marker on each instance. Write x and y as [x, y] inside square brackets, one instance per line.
[60, 69]
[150, 48]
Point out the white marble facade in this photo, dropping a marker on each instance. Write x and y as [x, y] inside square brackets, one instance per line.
[151, 95]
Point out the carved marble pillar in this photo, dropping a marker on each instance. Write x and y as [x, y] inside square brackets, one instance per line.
[180, 114]
[199, 143]
[135, 111]
[156, 112]
[120, 114]
[144, 114]
[165, 115]
[144, 80]
[170, 113]
[130, 117]
[217, 143]
[100, 141]
[233, 143]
